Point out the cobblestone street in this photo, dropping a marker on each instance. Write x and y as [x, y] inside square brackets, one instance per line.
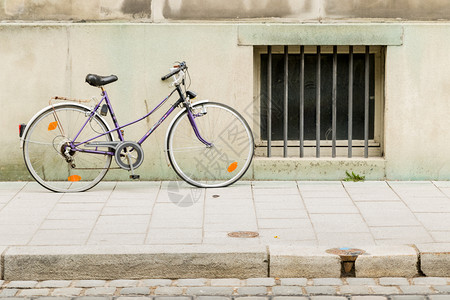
[392, 288]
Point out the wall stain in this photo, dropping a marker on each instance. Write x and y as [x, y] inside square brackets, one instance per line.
[406, 9]
[137, 8]
[147, 110]
[213, 9]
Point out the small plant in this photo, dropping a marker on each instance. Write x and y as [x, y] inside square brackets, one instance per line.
[354, 177]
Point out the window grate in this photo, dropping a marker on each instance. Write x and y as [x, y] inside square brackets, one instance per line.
[318, 94]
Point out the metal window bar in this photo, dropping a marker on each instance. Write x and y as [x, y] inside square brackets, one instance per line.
[334, 104]
[318, 101]
[350, 102]
[366, 104]
[269, 102]
[302, 101]
[286, 97]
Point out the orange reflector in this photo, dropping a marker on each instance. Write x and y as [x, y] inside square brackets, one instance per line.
[52, 126]
[74, 178]
[232, 167]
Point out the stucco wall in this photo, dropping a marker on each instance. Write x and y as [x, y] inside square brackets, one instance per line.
[166, 10]
[417, 114]
[41, 61]
[38, 61]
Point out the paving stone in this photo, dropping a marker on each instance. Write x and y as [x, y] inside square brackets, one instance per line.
[8, 293]
[226, 282]
[100, 291]
[22, 284]
[287, 290]
[53, 298]
[385, 290]
[172, 298]
[252, 290]
[34, 292]
[429, 281]
[123, 283]
[156, 282]
[135, 291]
[250, 298]
[210, 290]
[442, 288]
[213, 298]
[133, 298]
[328, 298]
[393, 281]
[408, 297]
[67, 292]
[361, 281]
[327, 281]
[415, 289]
[91, 298]
[369, 298]
[290, 298]
[354, 289]
[191, 282]
[54, 284]
[294, 281]
[321, 290]
[89, 283]
[260, 282]
[439, 297]
[168, 290]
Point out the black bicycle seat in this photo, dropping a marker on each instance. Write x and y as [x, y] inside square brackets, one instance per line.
[97, 80]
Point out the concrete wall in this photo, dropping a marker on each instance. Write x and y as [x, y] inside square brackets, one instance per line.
[38, 61]
[164, 10]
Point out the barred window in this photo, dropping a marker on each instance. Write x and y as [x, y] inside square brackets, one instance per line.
[321, 100]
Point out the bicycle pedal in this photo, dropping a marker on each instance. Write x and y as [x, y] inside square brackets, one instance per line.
[135, 177]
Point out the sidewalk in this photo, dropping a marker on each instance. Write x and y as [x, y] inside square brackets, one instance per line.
[288, 215]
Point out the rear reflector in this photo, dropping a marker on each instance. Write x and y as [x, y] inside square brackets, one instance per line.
[22, 129]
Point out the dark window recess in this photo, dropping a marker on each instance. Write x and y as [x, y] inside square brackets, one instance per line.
[310, 96]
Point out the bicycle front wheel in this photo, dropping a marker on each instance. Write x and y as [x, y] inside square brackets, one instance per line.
[48, 158]
[219, 164]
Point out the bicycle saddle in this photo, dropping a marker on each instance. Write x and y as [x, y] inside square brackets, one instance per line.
[96, 80]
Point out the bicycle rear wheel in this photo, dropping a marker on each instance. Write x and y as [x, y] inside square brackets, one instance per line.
[45, 145]
[218, 165]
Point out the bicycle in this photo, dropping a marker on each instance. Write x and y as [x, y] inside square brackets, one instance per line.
[69, 147]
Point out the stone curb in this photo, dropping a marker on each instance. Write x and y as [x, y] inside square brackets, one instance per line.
[309, 262]
[134, 262]
[215, 261]
[435, 260]
[392, 261]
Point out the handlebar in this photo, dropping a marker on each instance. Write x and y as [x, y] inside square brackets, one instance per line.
[180, 67]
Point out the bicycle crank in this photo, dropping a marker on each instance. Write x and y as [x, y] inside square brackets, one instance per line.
[129, 155]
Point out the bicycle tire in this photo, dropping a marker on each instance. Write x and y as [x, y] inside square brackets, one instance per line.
[45, 140]
[220, 165]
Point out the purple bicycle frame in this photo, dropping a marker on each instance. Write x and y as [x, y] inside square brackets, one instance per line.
[117, 128]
